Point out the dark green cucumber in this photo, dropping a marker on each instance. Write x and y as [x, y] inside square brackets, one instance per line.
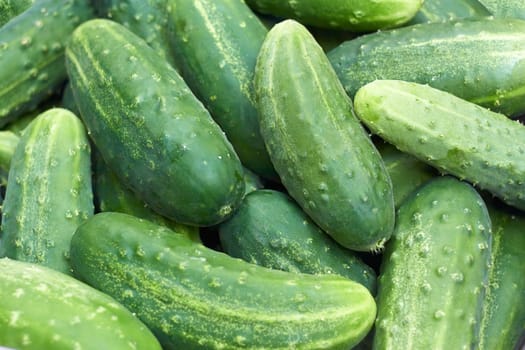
[503, 319]
[351, 15]
[8, 143]
[271, 230]
[9, 9]
[215, 44]
[252, 181]
[446, 10]
[68, 100]
[434, 270]
[154, 134]
[505, 8]
[481, 60]
[32, 53]
[194, 297]
[44, 309]
[323, 155]
[49, 191]
[451, 134]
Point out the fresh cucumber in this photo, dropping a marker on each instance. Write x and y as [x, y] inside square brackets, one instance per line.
[323, 155]
[8, 143]
[446, 10]
[505, 8]
[151, 130]
[12, 8]
[194, 297]
[68, 100]
[480, 60]
[434, 270]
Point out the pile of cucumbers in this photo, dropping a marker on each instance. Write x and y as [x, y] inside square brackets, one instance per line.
[262, 174]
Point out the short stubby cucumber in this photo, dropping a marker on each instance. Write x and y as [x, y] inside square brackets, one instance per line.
[434, 270]
[12, 8]
[481, 60]
[41, 308]
[151, 130]
[49, 191]
[451, 134]
[323, 155]
[351, 15]
[271, 230]
[215, 44]
[505, 8]
[32, 53]
[193, 297]
[446, 10]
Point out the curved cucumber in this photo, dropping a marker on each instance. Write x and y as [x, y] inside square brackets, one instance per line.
[434, 270]
[193, 297]
[323, 155]
[154, 134]
[9, 9]
[446, 10]
[505, 8]
[49, 190]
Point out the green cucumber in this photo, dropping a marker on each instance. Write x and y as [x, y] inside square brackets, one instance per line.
[215, 44]
[271, 230]
[351, 15]
[451, 134]
[68, 100]
[193, 297]
[434, 270]
[49, 191]
[505, 8]
[32, 54]
[9, 9]
[152, 132]
[480, 60]
[8, 143]
[503, 320]
[446, 10]
[44, 309]
[323, 155]
[252, 181]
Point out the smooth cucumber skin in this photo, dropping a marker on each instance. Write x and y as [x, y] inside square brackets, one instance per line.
[323, 155]
[351, 15]
[12, 8]
[193, 297]
[215, 44]
[434, 270]
[49, 192]
[480, 60]
[8, 142]
[32, 53]
[446, 10]
[151, 130]
[505, 8]
[41, 308]
[271, 230]
[451, 134]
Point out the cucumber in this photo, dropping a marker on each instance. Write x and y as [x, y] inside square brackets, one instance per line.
[193, 297]
[49, 192]
[351, 15]
[41, 308]
[32, 54]
[505, 8]
[12, 8]
[252, 181]
[442, 56]
[451, 134]
[68, 100]
[446, 10]
[271, 230]
[323, 155]
[152, 132]
[8, 143]
[434, 270]
[215, 44]
[503, 320]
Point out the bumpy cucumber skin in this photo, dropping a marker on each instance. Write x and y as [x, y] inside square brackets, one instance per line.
[44, 309]
[154, 134]
[480, 60]
[32, 53]
[323, 155]
[50, 192]
[434, 270]
[451, 134]
[8, 142]
[503, 320]
[193, 297]
[352, 15]
[446, 10]
[12, 8]
[271, 230]
[505, 8]
[215, 44]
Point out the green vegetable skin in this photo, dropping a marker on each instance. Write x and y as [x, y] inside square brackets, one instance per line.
[505, 8]
[44, 309]
[8, 143]
[324, 157]
[12, 8]
[434, 270]
[194, 297]
[445, 10]
[451, 134]
[152, 132]
[481, 60]
[49, 192]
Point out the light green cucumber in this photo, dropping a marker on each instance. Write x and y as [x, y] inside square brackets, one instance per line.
[323, 155]
[8, 143]
[193, 297]
[451, 134]
[49, 191]
[505, 8]
[434, 271]
[446, 10]
[12, 8]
